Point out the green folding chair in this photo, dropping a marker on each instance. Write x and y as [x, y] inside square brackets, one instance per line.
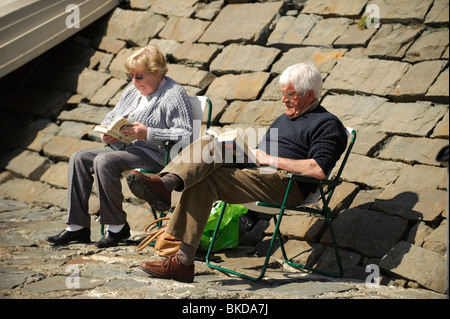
[199, 105]
[316, 203]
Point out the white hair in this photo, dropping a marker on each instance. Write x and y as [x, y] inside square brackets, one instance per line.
[304, 77]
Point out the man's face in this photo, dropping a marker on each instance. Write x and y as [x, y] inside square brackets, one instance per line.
[294, 103]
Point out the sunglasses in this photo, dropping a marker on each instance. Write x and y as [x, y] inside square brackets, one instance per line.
[137, 77]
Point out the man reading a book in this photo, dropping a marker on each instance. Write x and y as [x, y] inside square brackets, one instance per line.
[306, 139]
[159, 111]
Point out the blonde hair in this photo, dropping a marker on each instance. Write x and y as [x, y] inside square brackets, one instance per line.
[149, 59]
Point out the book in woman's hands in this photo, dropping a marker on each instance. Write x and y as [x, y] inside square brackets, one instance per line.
[114, 129]
[235, 142]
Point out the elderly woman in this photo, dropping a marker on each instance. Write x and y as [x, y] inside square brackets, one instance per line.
[160, 111]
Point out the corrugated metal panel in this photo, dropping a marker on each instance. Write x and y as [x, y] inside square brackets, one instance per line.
[29, 28]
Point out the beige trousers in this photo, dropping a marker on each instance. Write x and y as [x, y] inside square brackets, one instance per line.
[207, 179]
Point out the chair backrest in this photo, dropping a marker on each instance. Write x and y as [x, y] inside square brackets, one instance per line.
[314, 197]
[200, 105]
[350, 133]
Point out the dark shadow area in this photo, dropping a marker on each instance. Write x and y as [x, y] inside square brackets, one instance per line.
[33, 96]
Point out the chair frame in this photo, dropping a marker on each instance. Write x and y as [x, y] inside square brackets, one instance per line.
[325, 211]
[168, 145]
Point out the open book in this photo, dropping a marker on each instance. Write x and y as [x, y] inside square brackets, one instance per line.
[235, 142]
[114, 128]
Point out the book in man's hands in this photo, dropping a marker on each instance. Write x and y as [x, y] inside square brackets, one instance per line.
[114, 129]
[235, 142]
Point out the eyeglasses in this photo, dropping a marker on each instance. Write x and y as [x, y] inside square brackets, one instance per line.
[289, 95]
[137, 77]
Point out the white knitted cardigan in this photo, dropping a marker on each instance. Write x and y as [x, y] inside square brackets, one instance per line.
[168, 118]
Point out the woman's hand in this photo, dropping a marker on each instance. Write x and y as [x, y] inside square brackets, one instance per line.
[138, 131]
[109, 139]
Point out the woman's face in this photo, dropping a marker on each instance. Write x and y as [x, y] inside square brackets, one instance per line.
[146, 83]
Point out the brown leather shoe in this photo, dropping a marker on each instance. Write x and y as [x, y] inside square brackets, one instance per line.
[169, 268]
[149, 188]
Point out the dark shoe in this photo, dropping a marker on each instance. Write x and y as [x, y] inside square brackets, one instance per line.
[149, 188]
[82, 236]
[169, 268]
[112, 239]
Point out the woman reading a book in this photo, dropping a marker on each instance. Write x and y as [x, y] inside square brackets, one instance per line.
[158, 110]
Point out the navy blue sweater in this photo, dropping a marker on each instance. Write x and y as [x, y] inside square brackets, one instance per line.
[317, 135]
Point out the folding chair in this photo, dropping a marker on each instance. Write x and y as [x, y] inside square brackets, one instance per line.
[199, 105]
[323, 194]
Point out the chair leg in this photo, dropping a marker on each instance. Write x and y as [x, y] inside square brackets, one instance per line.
[154, 213]
[335, 246]
[304, 267]
[266, 261]
[272, 241]
[159, 224]
[276, 233]
[155, 216]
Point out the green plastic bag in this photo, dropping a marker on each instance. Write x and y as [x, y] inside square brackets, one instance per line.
[228, 234]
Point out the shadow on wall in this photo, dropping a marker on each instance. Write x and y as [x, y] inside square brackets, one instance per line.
[41, 88]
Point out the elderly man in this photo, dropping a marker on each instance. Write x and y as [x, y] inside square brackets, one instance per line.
[306, 139]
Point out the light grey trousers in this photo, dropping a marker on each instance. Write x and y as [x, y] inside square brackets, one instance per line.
[206, 181]
[106, 166]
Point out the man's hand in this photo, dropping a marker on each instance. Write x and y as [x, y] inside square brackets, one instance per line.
[305, 167]
[263, 158]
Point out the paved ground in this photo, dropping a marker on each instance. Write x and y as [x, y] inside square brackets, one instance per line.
[30, 268]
